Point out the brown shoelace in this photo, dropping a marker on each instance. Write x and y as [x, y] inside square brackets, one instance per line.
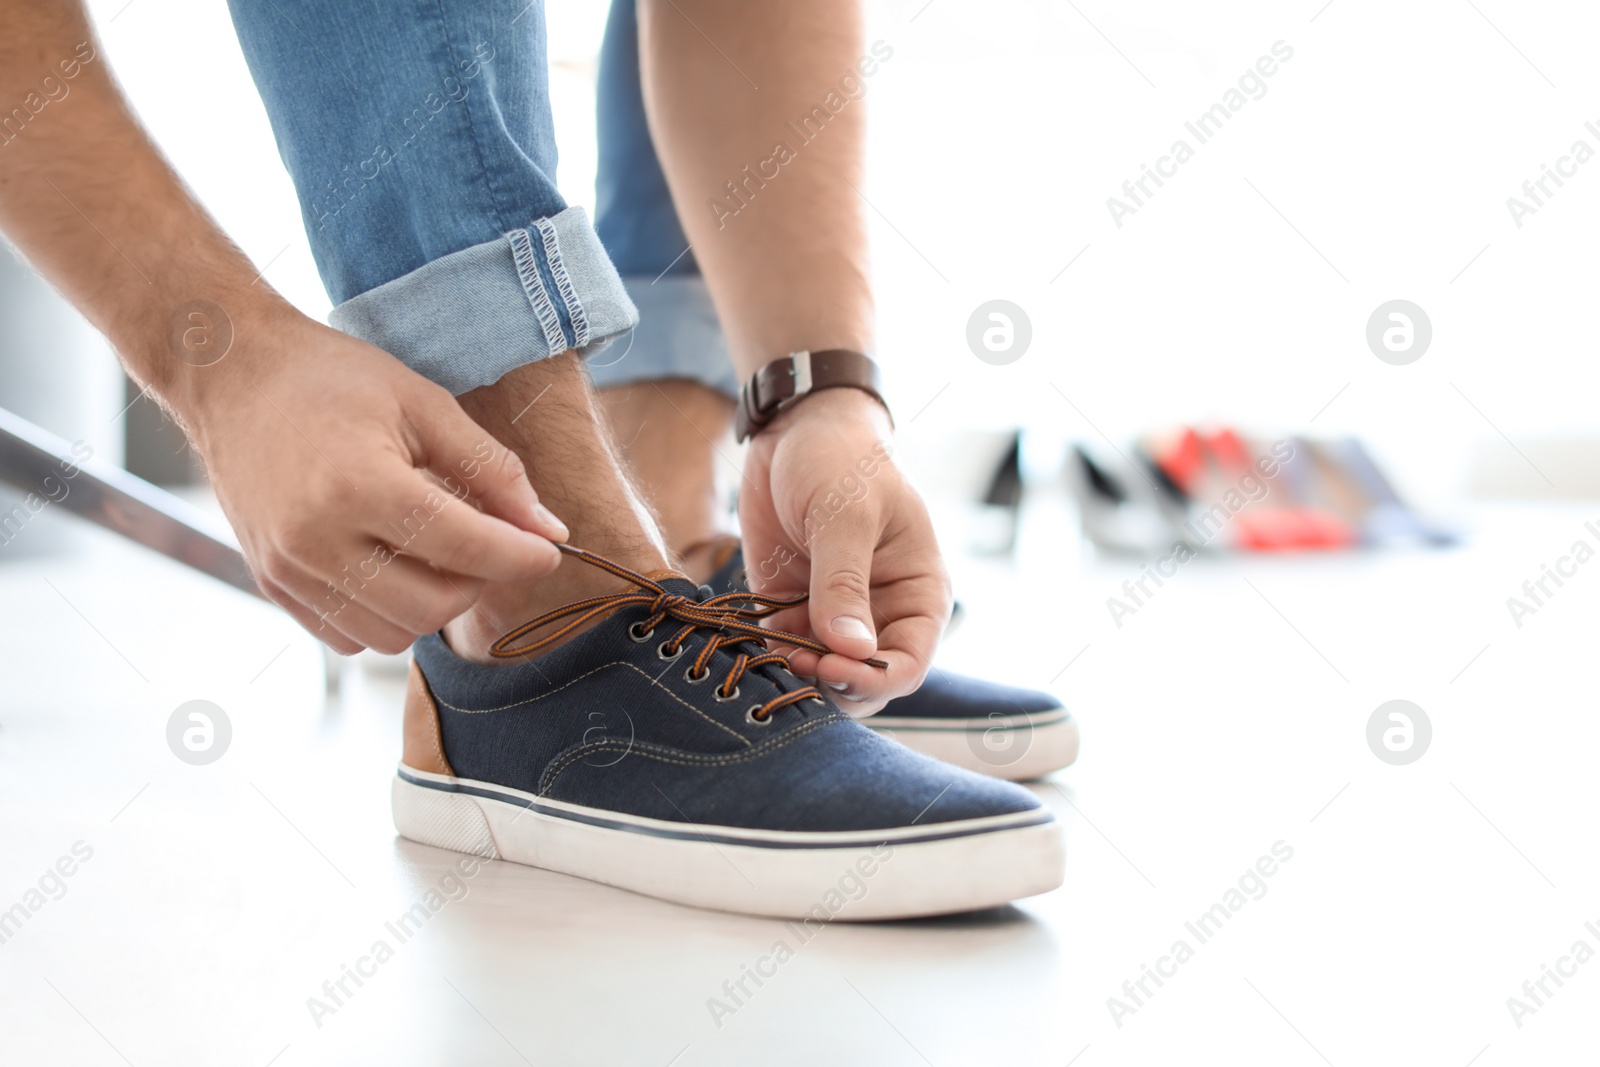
[734, 616]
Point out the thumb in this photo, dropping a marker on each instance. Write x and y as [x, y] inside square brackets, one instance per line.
[475, 466]
[841, 570]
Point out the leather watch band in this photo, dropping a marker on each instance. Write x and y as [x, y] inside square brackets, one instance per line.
[784, 381]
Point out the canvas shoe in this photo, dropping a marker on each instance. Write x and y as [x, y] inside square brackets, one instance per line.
[994, 729]
[665, 750]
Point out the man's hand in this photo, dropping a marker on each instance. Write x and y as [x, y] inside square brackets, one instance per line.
[351, 482]
[788, 270]
[825, 511]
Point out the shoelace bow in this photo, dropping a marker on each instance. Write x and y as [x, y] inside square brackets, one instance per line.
[735, 616]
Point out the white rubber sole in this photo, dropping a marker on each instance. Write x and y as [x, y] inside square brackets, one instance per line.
[1014, 747]
[933, 869]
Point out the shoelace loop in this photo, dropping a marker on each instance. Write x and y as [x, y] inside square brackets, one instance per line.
[734, 616]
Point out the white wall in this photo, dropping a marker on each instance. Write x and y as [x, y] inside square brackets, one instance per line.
[1390, 141]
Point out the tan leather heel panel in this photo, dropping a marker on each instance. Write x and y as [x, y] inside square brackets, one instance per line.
[422, 749]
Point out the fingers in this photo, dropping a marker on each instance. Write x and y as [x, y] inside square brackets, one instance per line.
[840, 609]
[803, 661]
[378, 598]
[307, 618]
[471, 463]
[397, 553]
[463, 540]
[908, 613]
[415, 597]
[907, 644]
[372, 630]
[389, 519]
[885, 571]
[912, 599]
[344, 626]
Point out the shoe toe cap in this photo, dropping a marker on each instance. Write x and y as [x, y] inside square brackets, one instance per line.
[944, 695]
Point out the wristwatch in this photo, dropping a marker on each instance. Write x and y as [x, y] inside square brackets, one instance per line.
[783, 382]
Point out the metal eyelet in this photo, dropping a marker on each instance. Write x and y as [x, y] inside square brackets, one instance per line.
[661, 650]
[640, 635]
[692, 678]
[750, 716]
[720, 699]
[819, 700]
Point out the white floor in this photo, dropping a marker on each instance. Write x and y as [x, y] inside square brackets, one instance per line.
[1227, 715]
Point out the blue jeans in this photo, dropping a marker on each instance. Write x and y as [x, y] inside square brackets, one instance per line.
[421, 146]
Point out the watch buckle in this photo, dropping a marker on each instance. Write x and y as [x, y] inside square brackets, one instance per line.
[802, 373]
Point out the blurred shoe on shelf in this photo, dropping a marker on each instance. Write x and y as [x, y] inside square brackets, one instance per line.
[1217, 490]
[1236, 494]
[1353, 485]
[1133, 511]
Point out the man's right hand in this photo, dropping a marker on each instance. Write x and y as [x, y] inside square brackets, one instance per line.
[327, 453]
[370, 507]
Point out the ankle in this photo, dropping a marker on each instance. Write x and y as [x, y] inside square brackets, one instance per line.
[575, 470]
[702, 556]
[470, 636]
[667, 431]
[503, 608]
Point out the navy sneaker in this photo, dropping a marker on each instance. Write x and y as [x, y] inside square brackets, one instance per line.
[987, 727]
[665, 750]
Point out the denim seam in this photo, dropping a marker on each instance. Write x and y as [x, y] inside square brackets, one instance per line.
[617, 663]
[548, 779]
[543, 307]
[547, 278]
[558, 269]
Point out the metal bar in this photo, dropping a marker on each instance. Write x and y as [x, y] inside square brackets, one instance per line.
[37, 461]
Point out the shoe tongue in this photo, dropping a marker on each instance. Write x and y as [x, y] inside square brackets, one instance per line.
[675, 583]
[667, 575]
[729, 576]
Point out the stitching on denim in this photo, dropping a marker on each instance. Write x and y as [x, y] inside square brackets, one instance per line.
[543, 307]
[548, 278]
[616, 663]
[656, 752]
[558, 269]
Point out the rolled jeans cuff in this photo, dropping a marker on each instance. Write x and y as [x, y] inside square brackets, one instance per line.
[469, 318]
[678, 336]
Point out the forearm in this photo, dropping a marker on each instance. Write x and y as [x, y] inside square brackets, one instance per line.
[95, 208]
[783, 247]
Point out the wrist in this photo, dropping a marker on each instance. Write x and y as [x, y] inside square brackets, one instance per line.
[193, 351]
[840, 410]
[789, 382]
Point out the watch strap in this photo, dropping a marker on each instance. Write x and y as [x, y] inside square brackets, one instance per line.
[784, 382]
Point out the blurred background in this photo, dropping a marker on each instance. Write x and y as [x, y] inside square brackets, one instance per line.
[1374, 165]
[1367, 168]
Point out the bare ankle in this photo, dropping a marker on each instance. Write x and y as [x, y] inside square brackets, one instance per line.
[470, 636]
[668, 432]
[502, 609]
[702, 557]
[546, 413]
